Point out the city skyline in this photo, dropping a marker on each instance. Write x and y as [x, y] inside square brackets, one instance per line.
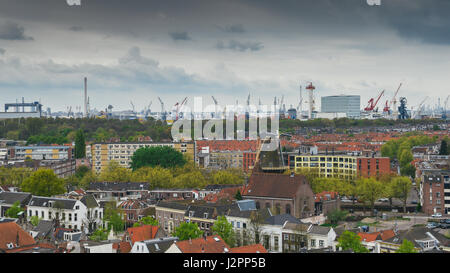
[139, 50]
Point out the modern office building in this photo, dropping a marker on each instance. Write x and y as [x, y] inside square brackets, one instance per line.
[349, 104]
[122, 152]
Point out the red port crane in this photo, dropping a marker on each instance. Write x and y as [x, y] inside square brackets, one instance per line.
[371, 104]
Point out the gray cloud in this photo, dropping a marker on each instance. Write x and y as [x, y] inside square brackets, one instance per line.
[2, 51]
[240, 46]
[183, 36]
[236, 28]
[13, 31]
[76, 28]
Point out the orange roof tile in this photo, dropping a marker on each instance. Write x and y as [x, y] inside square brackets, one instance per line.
[9, 232]
[210, 244]
[142, 233]
[257, 248]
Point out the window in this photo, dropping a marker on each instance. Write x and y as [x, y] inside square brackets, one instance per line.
[286, 237]
[75, 217]
[70, 216]
[288, 208]
[77, 207]
[42, 214]
[49, 215]
[321, 243]
[275, 242]
[313, 243]
[232, 223]
[244, 225]
[238, 224]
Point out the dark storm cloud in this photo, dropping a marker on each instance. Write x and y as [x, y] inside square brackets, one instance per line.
[240, 46]
[12, 31]
[182, 36]
[76, 28]
[236, 28]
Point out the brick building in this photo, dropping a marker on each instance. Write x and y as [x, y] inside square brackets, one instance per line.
[432, 192]
[170, 215]
[133, 211]
[373, 166]
[290, 194]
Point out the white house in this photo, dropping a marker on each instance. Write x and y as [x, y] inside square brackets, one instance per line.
[74, 214]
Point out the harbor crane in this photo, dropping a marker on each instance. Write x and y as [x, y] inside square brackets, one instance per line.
[393, 103]
[371, 104]
[419, 108]
[444, 110]
[163, 113]
[178, 107]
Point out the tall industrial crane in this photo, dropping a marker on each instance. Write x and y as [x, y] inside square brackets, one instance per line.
[163, 112]
[444, 110]
[178, 107]
[299, 106]
[419, 108]
[371, 104]
[393, 103]
[216, 103]
[132, 105]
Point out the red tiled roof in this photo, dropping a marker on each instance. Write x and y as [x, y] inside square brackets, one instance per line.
[274, 185]
[142, 233]
[41, 245]
[9, 232]
[257, 248]
[387, 234]
[125, 247]
[210, 244]
[368, 237]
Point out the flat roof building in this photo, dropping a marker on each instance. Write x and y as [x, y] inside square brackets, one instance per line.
[349, 104]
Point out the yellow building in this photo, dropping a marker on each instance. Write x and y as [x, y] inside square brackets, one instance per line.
[337, 166]
[122, 152]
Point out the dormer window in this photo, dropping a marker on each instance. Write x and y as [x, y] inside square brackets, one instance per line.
[191, 213]
[205, 215]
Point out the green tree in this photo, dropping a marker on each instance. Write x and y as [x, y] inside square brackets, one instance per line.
[99, 235]
[186, 231]
[148, 220]
[444, 149]
[115, 173]
[193, 179]
[34, 220]
[224, 229]
[80, 144]
[14, 210]
[370, 190]
[335, 216]
[350, 240]
[401, 186]
[164, 156]
[158, 177]
[114, 217]
[224, 177]
[406, 247]
[44, 182]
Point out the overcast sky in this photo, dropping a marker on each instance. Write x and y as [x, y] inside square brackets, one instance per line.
[137, 50]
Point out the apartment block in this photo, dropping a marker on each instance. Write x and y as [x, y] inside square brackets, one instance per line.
[432, 192]
[103, 153]
[327, 165]
[59, 152]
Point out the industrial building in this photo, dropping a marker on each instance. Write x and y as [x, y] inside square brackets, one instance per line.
[122, 152]
[349, 104]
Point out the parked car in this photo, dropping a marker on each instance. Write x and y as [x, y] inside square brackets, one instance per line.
[436, 215]
[444, 225]
[414, 202]
[383, 200]
[432, 225]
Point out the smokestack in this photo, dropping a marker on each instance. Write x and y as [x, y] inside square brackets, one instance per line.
[85, 98]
